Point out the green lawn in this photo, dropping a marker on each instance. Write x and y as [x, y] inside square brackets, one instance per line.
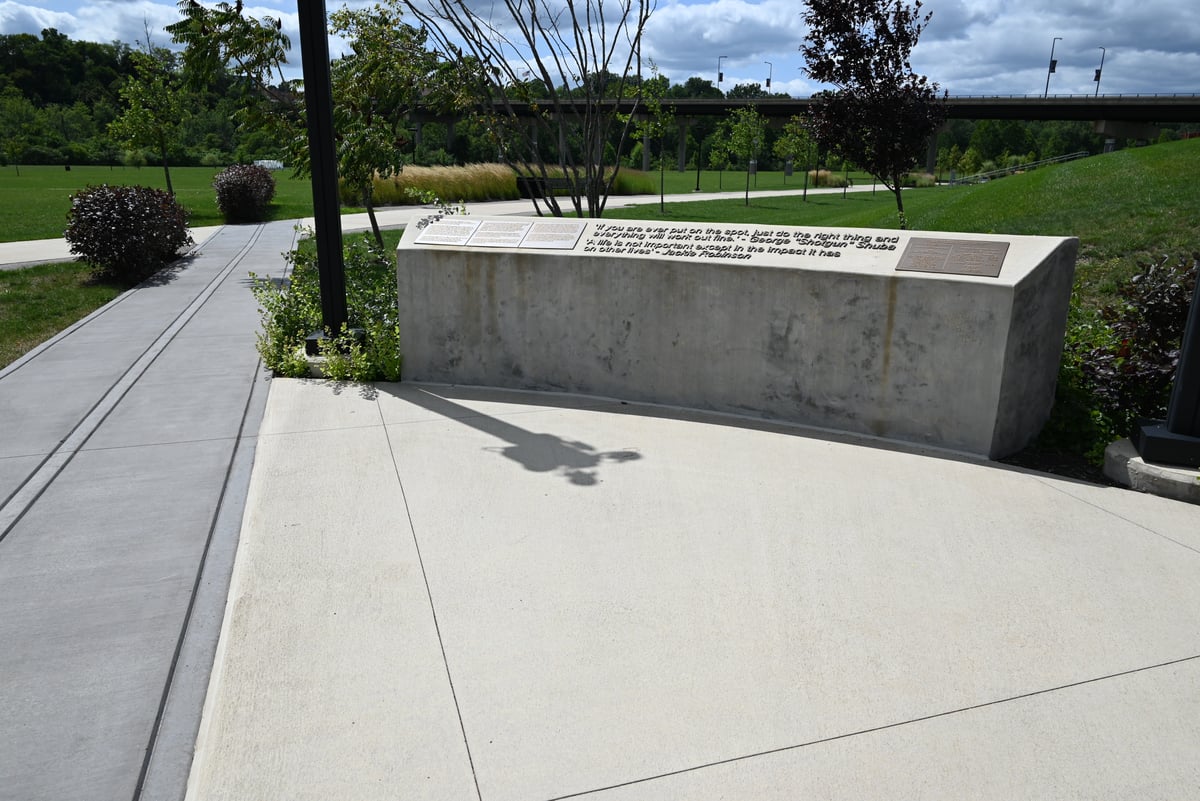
[1128, 206]
[38, 302]
[34, 204]
[684, 183]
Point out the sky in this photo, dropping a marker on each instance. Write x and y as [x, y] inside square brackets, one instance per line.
[970, 47]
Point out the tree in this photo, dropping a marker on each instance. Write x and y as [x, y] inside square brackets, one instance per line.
[654, 122]
[796, 144]
[881, 113]
[586, 54]
[747, 91]
[995, 139]
[747, 131]
[154, 112]
[695, 86]
[222, 40]
[388, 73]
[950, 161]
[17, 119]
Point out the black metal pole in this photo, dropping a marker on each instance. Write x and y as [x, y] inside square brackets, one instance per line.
[1183, 413]
[318, 102]
[1177, 441]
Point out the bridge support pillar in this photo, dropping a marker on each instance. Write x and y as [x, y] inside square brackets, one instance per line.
[682, 127]
[1121, 129]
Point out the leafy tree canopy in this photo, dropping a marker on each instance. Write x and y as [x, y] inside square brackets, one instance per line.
[881, 112]
[746, 91]
[389, 76]
[695, 86]
[154, 112]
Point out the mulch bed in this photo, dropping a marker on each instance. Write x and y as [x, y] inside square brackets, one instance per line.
[1067, 465]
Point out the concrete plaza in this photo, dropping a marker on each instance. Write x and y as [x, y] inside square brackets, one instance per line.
[219, 585]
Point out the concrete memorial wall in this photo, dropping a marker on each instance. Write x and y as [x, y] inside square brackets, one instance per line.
[942, 339]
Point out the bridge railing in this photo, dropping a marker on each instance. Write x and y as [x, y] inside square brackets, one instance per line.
[1033, 165]
[1088, 97]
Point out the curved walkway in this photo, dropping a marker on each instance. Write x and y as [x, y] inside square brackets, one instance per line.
[450, 593]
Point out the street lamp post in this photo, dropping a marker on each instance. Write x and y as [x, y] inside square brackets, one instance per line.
[1053, 65]
[318, 100]
[770, 72]
[720, 75]
[1098, 71]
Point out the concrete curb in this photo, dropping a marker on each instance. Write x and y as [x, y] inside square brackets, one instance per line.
[1123, 465]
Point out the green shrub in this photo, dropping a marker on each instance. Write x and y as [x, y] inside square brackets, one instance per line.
[1118, 363]
[826, 178]
[917, 179]
[635, 182]
[126, 233]
[244, 191]
[367, 350]
[1131, 376]
[1076, 425]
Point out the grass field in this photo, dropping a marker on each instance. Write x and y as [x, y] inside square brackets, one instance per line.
[683, 183]
[1128, 206]
[34, 204]
[1133, 205]
[38, 302]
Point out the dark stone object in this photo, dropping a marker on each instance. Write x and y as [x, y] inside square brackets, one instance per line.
[1157, 444]
[1177, 440]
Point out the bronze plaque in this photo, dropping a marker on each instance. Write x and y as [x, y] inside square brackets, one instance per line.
[953, 256]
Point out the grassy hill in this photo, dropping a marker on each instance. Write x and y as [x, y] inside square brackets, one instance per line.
[1125, 207]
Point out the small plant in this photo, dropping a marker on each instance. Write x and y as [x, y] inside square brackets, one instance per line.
[1131, 377]
[827, 178]
[917, 180]
[126, 233]
[244, 191]
[443, 209]
[420, 196]
[368, 349]
[1076, 425]
[1118, 363]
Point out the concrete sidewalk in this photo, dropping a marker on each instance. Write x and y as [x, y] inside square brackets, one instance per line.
[449, 593]
[453, 593]
[125, 451]
[126, 444]
[15, 255]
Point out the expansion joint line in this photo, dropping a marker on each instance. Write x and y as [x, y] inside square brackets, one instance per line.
[884, 727]
[39, 480]
[432, 608]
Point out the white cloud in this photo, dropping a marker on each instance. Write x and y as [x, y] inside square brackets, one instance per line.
[127, 22]
[688, 40]
[970, 47]
[22, 18]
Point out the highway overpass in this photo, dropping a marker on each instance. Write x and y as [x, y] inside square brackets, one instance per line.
[1158, 109]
